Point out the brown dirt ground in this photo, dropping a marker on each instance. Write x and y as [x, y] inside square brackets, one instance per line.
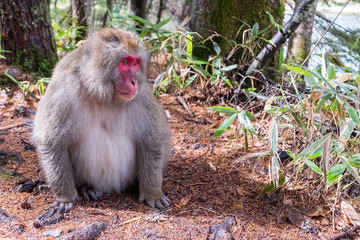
[203, 185]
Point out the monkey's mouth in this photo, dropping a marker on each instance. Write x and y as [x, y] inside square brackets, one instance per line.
[126, 95]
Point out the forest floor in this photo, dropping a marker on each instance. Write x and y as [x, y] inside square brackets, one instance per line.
[206, 180]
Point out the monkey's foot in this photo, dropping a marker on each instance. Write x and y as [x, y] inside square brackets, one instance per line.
[63, 207]
[161, 203]
[89, 193]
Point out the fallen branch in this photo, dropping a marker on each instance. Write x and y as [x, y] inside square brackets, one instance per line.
[13, 126]
[345, 234]
[129, 221]
[221, 231]
[11, 221]
[51, 216]
[88, 232]
[184, 104]
[280, 37]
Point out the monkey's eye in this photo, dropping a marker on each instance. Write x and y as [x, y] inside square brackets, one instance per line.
[135, 63]
[125, 61]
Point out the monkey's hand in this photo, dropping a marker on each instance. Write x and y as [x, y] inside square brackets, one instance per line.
[161, 203]
[63, 204]
[63, 207]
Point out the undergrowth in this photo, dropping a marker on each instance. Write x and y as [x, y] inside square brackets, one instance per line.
[318, 129]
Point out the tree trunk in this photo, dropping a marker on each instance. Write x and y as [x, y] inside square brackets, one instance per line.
[109, 4]
[226, 17]
[139, 8]
[276, 42]
[161, 8]
[25, 28]
[81, 10]
[300, 42]
[186, 10]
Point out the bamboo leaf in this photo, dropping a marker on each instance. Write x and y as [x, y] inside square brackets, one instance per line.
[139, 19]
[189, 45]
[313, 166]
[334, 173]
[297, 70]
[224, 125]
[162, 23]
[190, 80]
[353, 114]
[227, 110]
[217, 48]
[313, 146]
[273, 136]
[228, 68]
[355, 161]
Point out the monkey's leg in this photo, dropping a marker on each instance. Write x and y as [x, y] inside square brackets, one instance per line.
[89, 193]
[59, 174]
[150, 175]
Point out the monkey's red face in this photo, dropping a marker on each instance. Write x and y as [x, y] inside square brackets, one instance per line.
[127, 86]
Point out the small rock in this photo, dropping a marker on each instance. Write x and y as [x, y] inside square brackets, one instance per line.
[53, 233]
[29, 185]
[167, 113]
[25, 205]
[324, 222]
[14, 72]
[198, 145]
[283, 155]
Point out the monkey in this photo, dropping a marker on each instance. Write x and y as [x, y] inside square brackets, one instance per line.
[98, 128]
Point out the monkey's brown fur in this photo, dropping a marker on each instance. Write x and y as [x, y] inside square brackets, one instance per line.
[92, 142]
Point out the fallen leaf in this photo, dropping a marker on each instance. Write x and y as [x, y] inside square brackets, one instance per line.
[212, 166]
[311, 212]
[343, 78]
[240, 191]
[288, 202]
[324, 222]
[350, 212]
[185, 200]
[291, 213]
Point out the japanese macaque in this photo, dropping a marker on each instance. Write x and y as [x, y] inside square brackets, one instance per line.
[99, 128]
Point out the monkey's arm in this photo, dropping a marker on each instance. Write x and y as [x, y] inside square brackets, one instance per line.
[153, 151]
[150, 174]
[59, 173]
[51, 135]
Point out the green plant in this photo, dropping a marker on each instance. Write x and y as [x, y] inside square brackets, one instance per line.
[65, 36]
[334, 99]
[28, 88]
[2, 51]
[244, 122]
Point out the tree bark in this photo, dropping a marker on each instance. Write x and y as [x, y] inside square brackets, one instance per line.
[226, 17]
[280, 37]
[161, 8]
[81, 10]
[109, 5]
[25, 28]
[139, 8]
[300, 42]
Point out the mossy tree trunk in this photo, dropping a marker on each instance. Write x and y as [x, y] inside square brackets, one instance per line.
[81, 10]
[139, 8]
[300, 42]
[25, 28]
[227, 17]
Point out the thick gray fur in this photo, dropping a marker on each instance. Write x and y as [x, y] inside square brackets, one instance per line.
[91, 142]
